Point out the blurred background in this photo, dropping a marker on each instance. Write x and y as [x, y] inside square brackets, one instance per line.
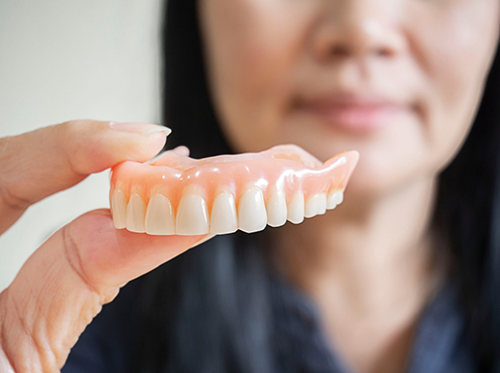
[63, 60]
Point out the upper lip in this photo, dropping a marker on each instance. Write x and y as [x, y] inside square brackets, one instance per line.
[339, 99]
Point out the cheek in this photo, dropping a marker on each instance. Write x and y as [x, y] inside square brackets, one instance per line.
[251, 49]
[255, 48]
[455, 49]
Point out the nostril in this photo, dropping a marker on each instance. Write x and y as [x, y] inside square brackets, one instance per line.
[339, 51]
[343, 51]
[384, 52]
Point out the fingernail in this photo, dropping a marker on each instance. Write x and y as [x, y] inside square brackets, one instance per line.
[144, 129]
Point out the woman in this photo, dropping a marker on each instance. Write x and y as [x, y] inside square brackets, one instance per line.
[402, 277]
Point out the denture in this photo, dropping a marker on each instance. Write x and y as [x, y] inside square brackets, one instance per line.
[176, 194]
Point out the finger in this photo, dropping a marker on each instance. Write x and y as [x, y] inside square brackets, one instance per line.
[64, 284]
[107, 257]
[181, 150]
[40, 163]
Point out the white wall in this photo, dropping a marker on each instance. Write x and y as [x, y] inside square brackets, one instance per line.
[62, 60]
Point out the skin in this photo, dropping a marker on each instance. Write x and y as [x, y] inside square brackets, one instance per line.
[370, 264]
[64, 284]
[372, 277]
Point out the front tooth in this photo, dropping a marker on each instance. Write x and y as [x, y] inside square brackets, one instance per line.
[252, 216]
[136, 209]
[296, 208]
[160, 218]
[276, 209]
[119, 209]
[334, 198]
[192, 215]
[315, 205]
[223, 219]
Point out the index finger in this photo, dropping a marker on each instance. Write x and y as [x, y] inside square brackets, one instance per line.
[37, 164]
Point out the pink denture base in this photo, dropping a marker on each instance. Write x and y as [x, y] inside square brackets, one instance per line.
[286, 167]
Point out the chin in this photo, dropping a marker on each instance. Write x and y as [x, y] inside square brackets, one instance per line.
[368, 184]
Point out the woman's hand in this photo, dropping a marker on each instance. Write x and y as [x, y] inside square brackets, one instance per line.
[64, 284]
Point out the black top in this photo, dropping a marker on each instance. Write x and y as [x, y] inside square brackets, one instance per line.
[440, 345]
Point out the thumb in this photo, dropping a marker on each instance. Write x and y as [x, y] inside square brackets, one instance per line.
[65, 282]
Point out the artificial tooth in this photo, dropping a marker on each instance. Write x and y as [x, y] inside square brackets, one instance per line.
[295, 213]
[192, 215]
[119, 209]
[223, 218]
[160, 218]
[316, 205]
[252, 216]
[322, 204]
[334, 198]
[136, 210]
[276, 209]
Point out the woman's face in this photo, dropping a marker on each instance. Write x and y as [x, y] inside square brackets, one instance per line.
[397, 80]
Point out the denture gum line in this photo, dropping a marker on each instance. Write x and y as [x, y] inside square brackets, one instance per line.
[174, 194]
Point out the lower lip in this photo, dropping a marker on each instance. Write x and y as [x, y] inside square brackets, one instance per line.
[359, 118]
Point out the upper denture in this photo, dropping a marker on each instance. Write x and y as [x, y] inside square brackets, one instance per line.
[181, 195]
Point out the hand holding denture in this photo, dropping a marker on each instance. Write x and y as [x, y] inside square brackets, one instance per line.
[82, 266]
[176, 199]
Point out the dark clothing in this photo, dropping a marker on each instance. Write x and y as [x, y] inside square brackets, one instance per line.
[440, 344]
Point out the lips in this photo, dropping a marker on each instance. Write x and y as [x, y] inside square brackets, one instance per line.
[355, 112]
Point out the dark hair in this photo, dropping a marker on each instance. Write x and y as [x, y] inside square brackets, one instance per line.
[187, 106]
[207, 310]
[468, 213]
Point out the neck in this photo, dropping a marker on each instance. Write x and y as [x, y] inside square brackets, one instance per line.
[369, 265]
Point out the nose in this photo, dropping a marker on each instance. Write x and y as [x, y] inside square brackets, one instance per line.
[359, 29]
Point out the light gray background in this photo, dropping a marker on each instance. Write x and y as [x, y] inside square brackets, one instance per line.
[63, 60]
